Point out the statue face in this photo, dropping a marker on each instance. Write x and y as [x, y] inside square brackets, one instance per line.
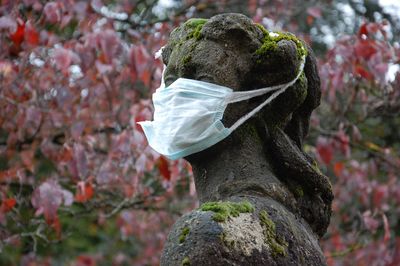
[212, 62]
[206, 60]
[226, 54]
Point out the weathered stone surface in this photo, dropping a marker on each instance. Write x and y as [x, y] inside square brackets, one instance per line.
[241, 240]
[262, 161]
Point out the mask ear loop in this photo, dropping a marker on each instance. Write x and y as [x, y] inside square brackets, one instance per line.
[158, 55]
[239, 96]
[281, 88]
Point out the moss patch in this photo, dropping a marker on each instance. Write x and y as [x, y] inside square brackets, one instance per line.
[278, 246]
[299, 192]
[314, 165]
[271, 39]
[224, 209]
[194, 27]
[184, 233]
[185, 261]
[195, 22]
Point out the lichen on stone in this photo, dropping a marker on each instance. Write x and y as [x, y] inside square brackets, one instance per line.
[185, 261]
[278, 246]
[271, 39]
[184, 233]
[224, 209]
[242, 235]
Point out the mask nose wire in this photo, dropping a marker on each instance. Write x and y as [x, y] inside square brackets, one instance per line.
[244, 95]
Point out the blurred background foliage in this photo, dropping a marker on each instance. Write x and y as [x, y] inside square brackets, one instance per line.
[80, 186]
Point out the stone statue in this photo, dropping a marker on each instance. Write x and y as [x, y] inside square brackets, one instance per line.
[263, 200]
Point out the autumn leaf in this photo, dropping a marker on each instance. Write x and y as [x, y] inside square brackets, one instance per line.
[325, 150]
[386, 226]
[338, 168]
[363, 30]
[27, 160]
[8, 204]
[31, 34]
[85, 260]
[140, 59]
[365, 49]
[314, 11]
[110, 45]
[162, 165]
[48, 197]
[62, 58]
[8, 23]
[84, 191]
[18, 36]
[52, 12]
[56, 225]
[363, 72]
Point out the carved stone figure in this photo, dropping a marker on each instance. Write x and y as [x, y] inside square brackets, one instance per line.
[263, 200]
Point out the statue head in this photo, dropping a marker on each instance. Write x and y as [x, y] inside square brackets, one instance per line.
[233, 51]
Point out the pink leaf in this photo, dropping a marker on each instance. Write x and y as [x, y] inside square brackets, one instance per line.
[110, 44]
[27, 159]
[370, 223]
[140, 59]
[52, 12]
[63, 58]
[80, 160]
[7, 23]
[314, 12]
[386, 237]
[77, 129]
[48, 197]
[140, 163]
[33, 119]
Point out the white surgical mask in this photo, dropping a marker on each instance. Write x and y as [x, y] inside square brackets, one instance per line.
[188, 113]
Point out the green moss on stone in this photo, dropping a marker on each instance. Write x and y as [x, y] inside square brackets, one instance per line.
[184, 233]
[185, 261]
[195, 22]
[270, 42]
[186, 59]
[314, 165]
[262, 28]
[278, 246]
[299, 192]
[224, 209]
[194, 26]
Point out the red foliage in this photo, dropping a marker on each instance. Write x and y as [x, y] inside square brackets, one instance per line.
[18, 36]
[7, 205]
[84, 192]
[325, 150]
[31, 34]
[73, 85]
[47, 198]
[163, 168]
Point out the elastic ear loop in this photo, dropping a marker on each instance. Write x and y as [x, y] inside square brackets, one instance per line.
[243, 95]
[158, 55]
